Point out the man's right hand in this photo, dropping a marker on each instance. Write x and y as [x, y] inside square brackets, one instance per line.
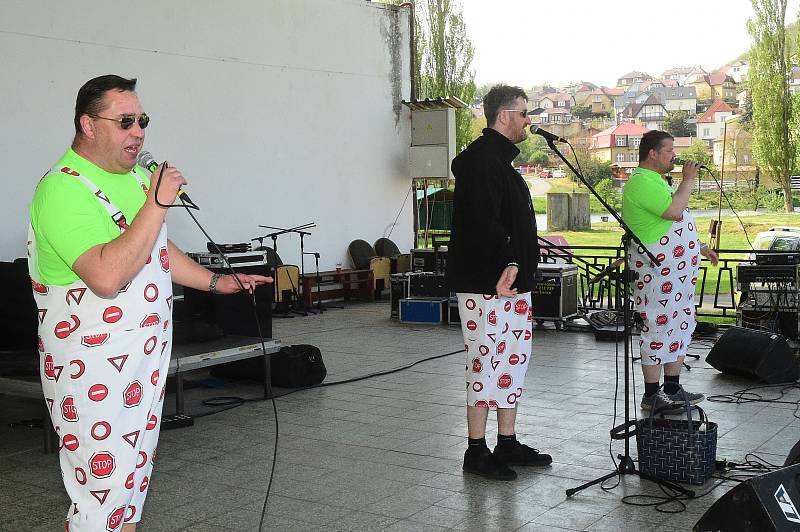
[690, 169]
[171, 182]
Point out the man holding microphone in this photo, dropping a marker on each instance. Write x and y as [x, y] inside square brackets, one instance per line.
[102, 270]
[664, 294]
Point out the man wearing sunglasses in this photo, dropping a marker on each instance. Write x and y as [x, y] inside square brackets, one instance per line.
[102, 271]
[493, 254]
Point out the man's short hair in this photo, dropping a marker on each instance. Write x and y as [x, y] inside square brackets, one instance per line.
[90, 96]
[652, 141]
[500, 97]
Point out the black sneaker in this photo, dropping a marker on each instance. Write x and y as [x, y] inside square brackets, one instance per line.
[682, 396]
[485, 464]
[660, 402]
[520, 454]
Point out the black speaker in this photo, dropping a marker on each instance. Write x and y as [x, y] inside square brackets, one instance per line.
[765, 503]
[794, 455]
[234, 312]
[754, 354]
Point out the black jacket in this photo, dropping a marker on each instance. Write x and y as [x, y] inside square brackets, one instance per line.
[493, 219]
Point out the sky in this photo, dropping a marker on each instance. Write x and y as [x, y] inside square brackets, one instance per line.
[530, 42]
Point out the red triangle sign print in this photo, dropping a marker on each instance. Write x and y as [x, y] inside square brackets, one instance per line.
[100, 495]
[517, 333]
[75, 295]
[663, 302]
[131, 438]
[102, 196]
[118, 361]
[42, 314]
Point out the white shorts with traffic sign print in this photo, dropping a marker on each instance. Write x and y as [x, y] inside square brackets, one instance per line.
[498, 341]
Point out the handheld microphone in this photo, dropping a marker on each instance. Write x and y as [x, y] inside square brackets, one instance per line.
[677, 161]
[536, 130]
[146, 160]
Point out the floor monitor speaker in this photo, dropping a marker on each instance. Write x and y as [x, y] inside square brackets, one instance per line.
[765, 503]
[754, 354]
[794, 455]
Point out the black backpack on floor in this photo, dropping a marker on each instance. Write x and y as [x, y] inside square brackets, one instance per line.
[294, 366]
[298, 366]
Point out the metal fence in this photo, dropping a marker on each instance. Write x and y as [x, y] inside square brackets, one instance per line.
[597, 266]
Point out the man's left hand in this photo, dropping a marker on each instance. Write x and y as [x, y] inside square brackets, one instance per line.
[227, 284]
[711, 255]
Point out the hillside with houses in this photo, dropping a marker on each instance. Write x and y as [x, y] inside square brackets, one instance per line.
[699, 107]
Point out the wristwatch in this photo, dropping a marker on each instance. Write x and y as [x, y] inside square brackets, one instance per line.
[212, 284]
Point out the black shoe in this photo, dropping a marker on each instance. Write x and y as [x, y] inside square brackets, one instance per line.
[520, 454]
[485, 464]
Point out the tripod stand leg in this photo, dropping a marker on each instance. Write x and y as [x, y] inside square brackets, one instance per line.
[667, 483]
[573, 491]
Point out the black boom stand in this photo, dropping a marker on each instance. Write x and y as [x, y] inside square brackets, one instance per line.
[303, 308]
[624, 431]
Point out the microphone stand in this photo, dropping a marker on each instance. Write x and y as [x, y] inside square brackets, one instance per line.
[284, 308]
[320, 307]
[305, 309]
[624, 431]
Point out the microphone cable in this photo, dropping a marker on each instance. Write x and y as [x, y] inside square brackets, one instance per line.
[189, 206]
[185, 202]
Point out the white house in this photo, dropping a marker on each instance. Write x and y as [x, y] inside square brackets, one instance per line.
[711, 124]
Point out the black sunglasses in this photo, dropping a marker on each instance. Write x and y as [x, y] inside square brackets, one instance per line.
[127, 121]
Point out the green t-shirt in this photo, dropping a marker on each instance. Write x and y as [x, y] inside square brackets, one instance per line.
[68, 219]
[644, 199]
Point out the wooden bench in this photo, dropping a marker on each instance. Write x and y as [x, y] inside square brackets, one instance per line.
[341, 284]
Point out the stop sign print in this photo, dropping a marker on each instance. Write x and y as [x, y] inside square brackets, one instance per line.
[102, 464]
[132, 395]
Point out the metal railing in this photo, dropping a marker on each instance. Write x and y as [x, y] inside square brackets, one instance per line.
[715, 294]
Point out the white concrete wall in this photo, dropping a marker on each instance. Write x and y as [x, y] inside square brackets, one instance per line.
[279, 112]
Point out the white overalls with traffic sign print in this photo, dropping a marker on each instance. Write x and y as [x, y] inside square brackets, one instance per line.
[104, 366]
[664, 295]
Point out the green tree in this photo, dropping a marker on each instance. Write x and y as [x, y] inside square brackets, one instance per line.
[775, 115]
[444, 59]
[605, 189]
[698, 151]
[593, 170]
[584, 112]
[676, 124]
[532, 150]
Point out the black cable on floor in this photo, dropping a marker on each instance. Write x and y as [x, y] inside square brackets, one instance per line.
[747, 395]
[233, 402]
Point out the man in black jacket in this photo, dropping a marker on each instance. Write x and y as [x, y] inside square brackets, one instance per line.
[492, 257]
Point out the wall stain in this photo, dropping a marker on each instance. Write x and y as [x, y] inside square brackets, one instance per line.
[393, 37]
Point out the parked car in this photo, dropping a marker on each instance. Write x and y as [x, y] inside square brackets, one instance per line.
[778, 238]
[559, 173]
[546, 173]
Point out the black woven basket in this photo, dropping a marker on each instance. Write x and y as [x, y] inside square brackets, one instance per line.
[680, 450]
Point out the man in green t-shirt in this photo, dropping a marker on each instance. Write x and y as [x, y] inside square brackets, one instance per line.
[102, 270]
[663, 294]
